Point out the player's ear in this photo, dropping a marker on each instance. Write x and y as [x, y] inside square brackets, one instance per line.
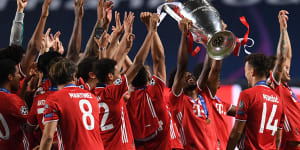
[92, 75]
[10, 77]
[253, 73]
[110, 77]
[74, 77]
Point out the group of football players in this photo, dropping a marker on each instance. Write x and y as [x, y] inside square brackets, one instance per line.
[100, 99]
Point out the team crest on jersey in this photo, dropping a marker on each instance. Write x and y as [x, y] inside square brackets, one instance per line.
[118, 81]
[152, 82]
[24, 110]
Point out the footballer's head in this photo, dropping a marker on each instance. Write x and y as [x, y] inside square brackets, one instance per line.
[62, 72]
[9, 74]
[12, 52]
[256, 66]
[44, 62]
[142, 78]
[189, 79]
[106, 71]
[87, 68]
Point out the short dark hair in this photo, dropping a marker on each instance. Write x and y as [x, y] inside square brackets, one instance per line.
[44, 60]
[104, 67]
[62, 72]
[7, 66]
[85, 66]
[171, 78]
[260, 63]
[141, 78]
[197, 70]
[272, 60]
[13, 52]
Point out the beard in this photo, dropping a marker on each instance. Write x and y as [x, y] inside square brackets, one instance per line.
[190, 87]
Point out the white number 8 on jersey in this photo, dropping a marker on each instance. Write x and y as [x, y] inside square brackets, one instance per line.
[87, 114]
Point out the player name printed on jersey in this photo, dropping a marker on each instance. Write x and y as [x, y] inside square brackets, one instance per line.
[270, 98]
[80, 95]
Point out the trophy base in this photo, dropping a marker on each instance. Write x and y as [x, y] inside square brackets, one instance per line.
[221, 44]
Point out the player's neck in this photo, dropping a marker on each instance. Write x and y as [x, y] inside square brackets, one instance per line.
[63, 85]
[257, 79]
[6, 86]
[192, 94]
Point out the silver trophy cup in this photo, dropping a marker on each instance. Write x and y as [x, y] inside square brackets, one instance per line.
[207, 26]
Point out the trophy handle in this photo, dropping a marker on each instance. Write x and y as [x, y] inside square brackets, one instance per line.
[170, 11]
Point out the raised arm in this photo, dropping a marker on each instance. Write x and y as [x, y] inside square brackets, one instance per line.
[127, 40]
[16, 35]
[75, 40]
[213, 81]
[104, 16]
[115, 36]
[34, 44]
[284, 47]
[202, 80]
[157, 50]
[142, 54]
[182, 58]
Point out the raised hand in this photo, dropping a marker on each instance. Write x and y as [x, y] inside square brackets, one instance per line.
[104, 11]
[102, 41]
[128, 22]
[145, 18]
[185, 25]
[21, 5]
[78, 8]
[48, 40]
[283, 18]
[102, 44]
[119, 28]
[153, 22]
[129, 40]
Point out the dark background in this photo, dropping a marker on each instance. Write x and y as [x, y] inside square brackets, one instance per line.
[260, 14]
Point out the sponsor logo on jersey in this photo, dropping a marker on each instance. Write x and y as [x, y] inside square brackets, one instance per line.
[118, 81]
[41, 102]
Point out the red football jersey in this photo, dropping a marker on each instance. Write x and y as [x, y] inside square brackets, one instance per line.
[83, 85]
[220, 109]
[262, 108]
[174, 133]
[149, 117]
[78, 115]
[115, 127]
[13, 114]
[195, 122]
[291, 110]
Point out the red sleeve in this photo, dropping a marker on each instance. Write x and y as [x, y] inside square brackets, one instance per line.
[242, 109]
[175, 100]
[19, 109]
[157, 86]
[52, 111]
[272, 79]
[118, 88]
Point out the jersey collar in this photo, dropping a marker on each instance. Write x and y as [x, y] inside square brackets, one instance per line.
[4, 90]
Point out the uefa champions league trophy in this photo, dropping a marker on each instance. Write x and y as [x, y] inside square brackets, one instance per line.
[207, 26]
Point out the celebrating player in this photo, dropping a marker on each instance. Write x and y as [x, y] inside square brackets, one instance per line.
[280, 77]
[260, 110]
[13, 110]
[72, 111]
